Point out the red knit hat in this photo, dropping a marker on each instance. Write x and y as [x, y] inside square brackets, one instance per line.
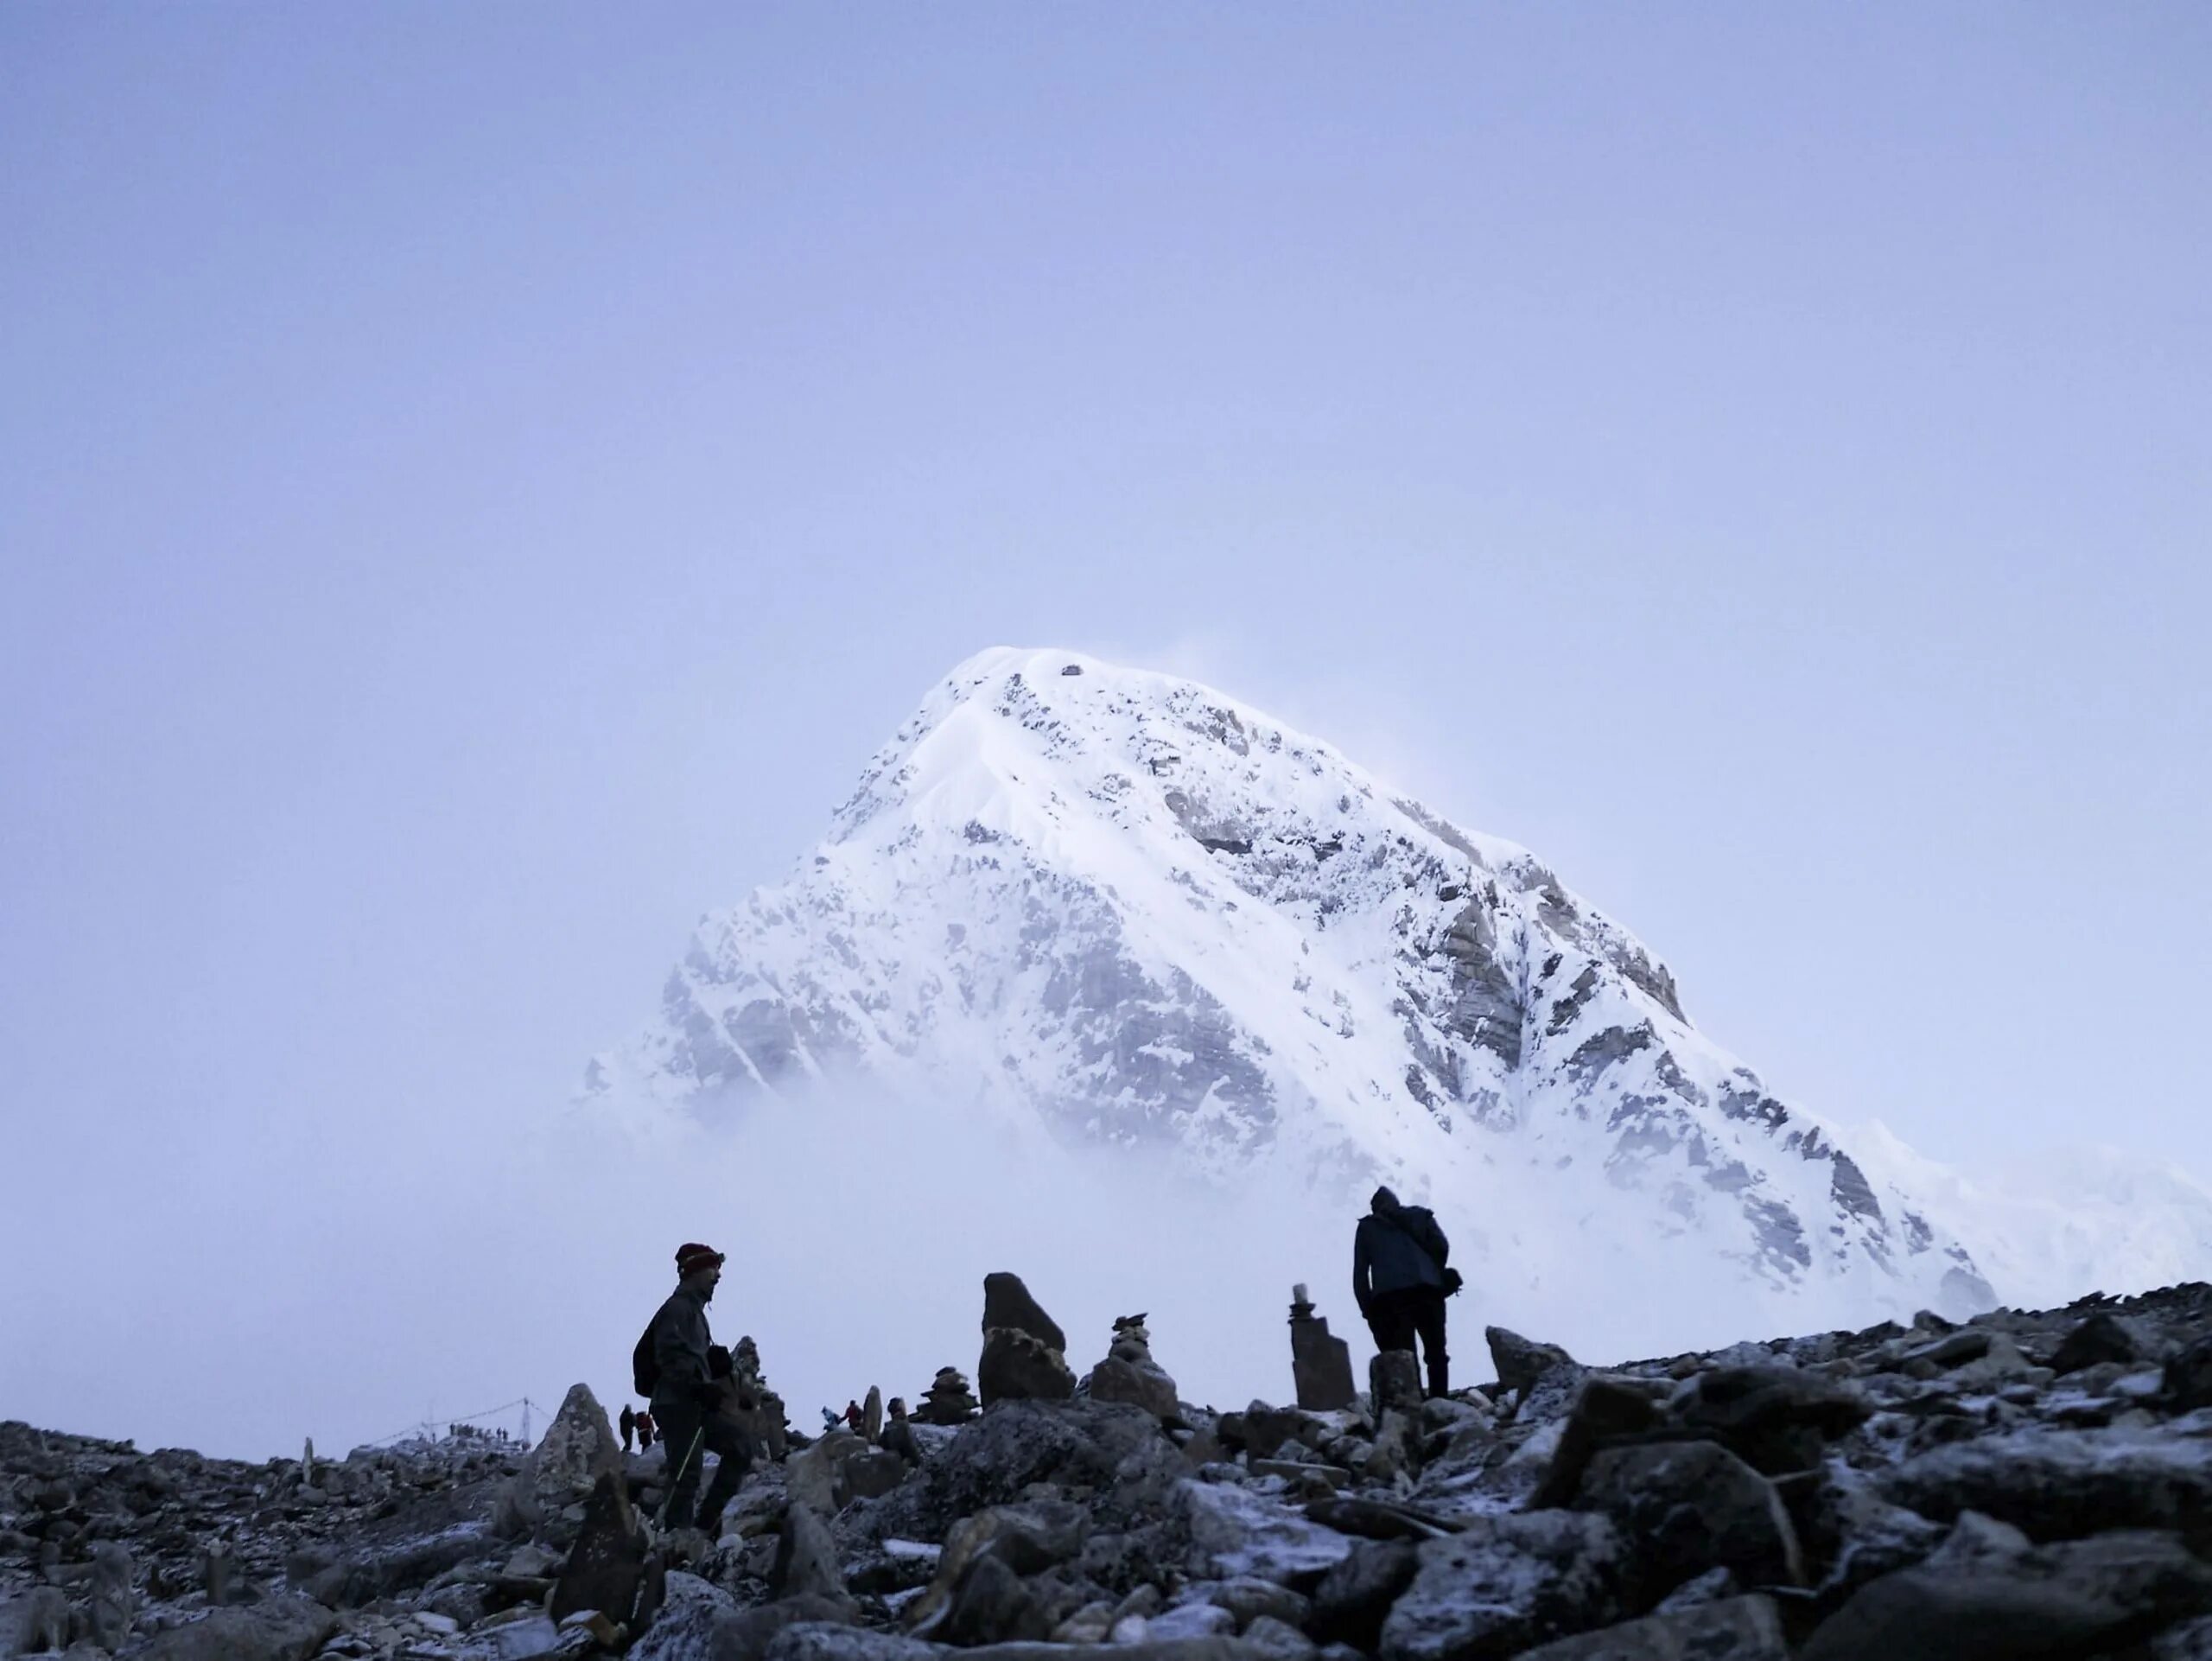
[695, 1256]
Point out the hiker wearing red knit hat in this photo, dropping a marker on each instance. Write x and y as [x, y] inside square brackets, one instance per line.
[673, 1366]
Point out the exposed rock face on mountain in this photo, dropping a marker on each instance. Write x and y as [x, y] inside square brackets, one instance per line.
[2022, 1485]
[1123, 908]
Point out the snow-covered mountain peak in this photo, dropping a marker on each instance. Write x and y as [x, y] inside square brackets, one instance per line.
[1121, 907]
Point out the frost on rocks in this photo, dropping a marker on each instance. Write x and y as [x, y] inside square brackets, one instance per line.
[1235, 1531]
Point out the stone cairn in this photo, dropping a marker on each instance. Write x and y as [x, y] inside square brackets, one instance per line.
[1129, 1374]
[1025, 1351]
[948, 1400]
[1320, 1366]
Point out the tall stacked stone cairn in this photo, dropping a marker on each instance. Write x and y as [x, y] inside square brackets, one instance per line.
[1025, 1356]
[1129, 1374]
[2023, 1487]
[1321, 1366]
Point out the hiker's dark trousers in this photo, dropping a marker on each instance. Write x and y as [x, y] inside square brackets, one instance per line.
[688, 1433]
[1396, 1318]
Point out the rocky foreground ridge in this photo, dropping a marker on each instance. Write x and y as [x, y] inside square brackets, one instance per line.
[2023, 1485]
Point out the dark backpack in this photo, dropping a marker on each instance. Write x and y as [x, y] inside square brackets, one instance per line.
[645, 1366]
[1418, 1224]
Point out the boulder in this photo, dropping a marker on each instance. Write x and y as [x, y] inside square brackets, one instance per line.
[1394, 1381]
[523, 1639]
[1353, 1596]
[686, 1627]
[809, 1640]
[1248, 1598]
[1988, 1594]
[2189, 1377]
[1141, 1385]
[1860, 1536]
[1689, 1506]
[1605, 1410]
[806, 1557]
[2103, 1337]
[1018, 1366]
[1278, 1640]
[1192, 1620]
[1507, 1584]
[702, 1623]
[967, 1603]
[1954, 1349]
[1776, 1419]
[607, 1563]
[1732, 1629]
[873, 1472]
[1008, 1304]
[1092, 1624]
[2060, 1485]
[1396, 1448]
[289, 1628]
[577, 1448]
[111, 1604]
[816, 1475]
[36, 1622]
[1235, 1531]
[1481, 1474]
[1522, 1361]
[1261, 1430]
[1081, 1444]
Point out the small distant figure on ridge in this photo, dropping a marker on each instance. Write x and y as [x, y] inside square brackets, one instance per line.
[673, 1366]
[629, 1423]
[853, 1416]
[1399, 1275]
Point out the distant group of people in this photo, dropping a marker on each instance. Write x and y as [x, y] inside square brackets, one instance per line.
[1401, 1276]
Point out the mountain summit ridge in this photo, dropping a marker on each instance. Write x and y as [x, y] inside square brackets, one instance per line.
[1121, 907]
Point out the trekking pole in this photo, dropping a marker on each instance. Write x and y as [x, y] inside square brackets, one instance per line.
[677, 1481]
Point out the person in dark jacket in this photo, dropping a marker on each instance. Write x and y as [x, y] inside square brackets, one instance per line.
[629, 1428]
[1398, 1256]
[687, 1396]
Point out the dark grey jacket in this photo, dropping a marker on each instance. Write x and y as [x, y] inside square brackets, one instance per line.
[1395, 1249]
[680, 1344]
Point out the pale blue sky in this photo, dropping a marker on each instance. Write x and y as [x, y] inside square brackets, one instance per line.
[476, 482]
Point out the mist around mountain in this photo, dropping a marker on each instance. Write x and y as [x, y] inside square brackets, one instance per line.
[1119, 914]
